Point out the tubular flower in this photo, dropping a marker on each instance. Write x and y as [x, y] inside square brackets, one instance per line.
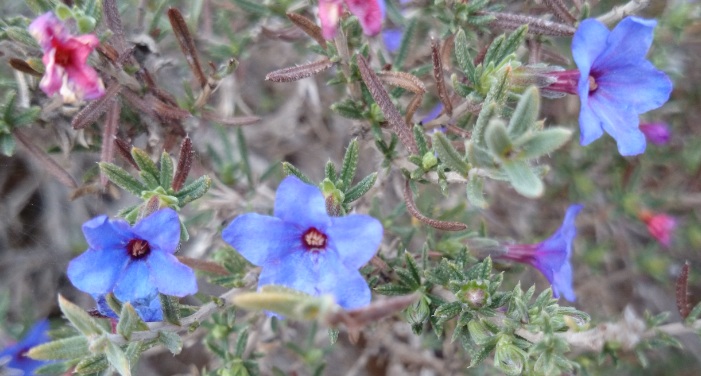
[661, 226]
[551, 256]
[135, 263]
[303, 248]
[657, 133]
[17, 352]
[65, 59]
[369, 12]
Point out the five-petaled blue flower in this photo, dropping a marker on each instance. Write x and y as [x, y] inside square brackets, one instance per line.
[551, 256]
[17, 352]
[135, 263]
[616, 82]
[304, 248]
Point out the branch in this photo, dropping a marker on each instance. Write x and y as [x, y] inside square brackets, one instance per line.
[619, 12]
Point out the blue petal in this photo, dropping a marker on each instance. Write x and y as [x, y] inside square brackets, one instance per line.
[101, 233]
[348, 287]
[620, 122]
[135, 283]
[589, 125]
[392, 39]
[641, 87]
[356, 238]
[170, 276]
[562, 239]
[301, 203]
[588, 43]
[562, 283]
[96, 272]
[36, 336]
[296, 271]
[628, 43]
[262, 239]
[160, 229]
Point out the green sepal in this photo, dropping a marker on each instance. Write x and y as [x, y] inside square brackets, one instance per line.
[166, 171]
[358, 190]
[475, 191]
[526, 113]
[129, 321]
[350, 163]
[523, 179]
[65, 348]
[448, 155]
[149, 171]
[172, 341]
[290, 169]
[535, 145]
[171, 311]
[122, 178]
[117, 358]
[194, 190]
[79, 318]
[498, 141]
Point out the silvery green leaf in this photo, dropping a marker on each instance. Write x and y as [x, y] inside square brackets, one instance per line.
[92, 364]
[172, 341]
[475, 191]
[497, 140]
[420, 137]
[118, 360]
[350, 163]
[79, 318]
[478, 156]
[290, 169]
[462, 53]
[166, 170]
[66, 348]
[7, 144]
[122, 178]
[358, 190]
[526, 112]
[535, 145]
[523, 179]
[448, 155]
[171, 311]
[129, 321]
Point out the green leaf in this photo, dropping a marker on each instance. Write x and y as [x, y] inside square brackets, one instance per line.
[149, 171]
[523, 179]
[413, 268]
[118, 360]
[243, 151]
[350, 163]
[79, 318]
[330, 171]
[513, 42]
[462, 53]
[348, 109]
[289, 169]
[448, 155]
[66, 348]
[39, 6]
[420, 138]
[241, 342]
[166, 170]
[391, 289]
[172, 341]
[405, 45]
[60, 368]
[498, 141]
[7, 144]
[478, 156]
[122, 178]
[253, 7]
[475, 191]
[21, 35]
[535, 145]
[25, 117]
[360, 189]
[171, 311]
[93, 364]
[194, 190]
[488, 109]
[526, 113]
[129, 321]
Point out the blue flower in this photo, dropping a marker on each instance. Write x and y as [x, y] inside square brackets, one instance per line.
[17, 352]
[392, 39]
[551, 256]
[135, 263]
[149, 308]
[616, 82]
[304, 248]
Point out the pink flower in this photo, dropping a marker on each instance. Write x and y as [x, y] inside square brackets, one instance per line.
[661, 226]
[65, 58]
[657, 133]
[369, 12]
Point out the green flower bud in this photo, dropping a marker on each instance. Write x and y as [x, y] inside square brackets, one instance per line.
[428, 160]
[474, 294]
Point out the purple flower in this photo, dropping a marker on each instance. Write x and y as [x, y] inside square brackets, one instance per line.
[370, 13]
[616, 82]
[657, 133]
[551, 256]
[135, 263]
[17, 352]
[392, 39]
[65, 58]
[149, 308]
[304, 248]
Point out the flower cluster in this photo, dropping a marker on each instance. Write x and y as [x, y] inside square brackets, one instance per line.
[369, 12]
[303, 248]
[551, 256]
[65, 58]
[135, 263]
[19, 361]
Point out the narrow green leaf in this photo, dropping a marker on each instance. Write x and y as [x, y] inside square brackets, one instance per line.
[290, 169]
[475, 191]
[513, 42]
[538, 144]
[494, 51]
[21, 35]
[330, 171]
[253, 7]
[488, 109]
[93, 364]
[523, 179]
[122, 178]
[59, 368]
[360, 189]
[25, 117]
[172, 341]
[118, 360]
[39, 6]
[348, 109]
[350, 163]
[526, 112]
[243, 151]
[420, 138]
[66, 348]
[393, 289]
[171, 311]
[166, 170]
[133, 352]
[479, 157]
[129, 321]
[405, 45]
[462, 53]
[241, 342]
[194, 190]
[448, 155]
[447, 311]
[497, 139]
[333, 335]
[7, 144]
[149, 171]
[413, 268]
[79, 318]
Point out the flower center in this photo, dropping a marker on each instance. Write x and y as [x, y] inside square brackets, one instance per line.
[314, 239]
[138, 248]
[592, 84]
[62, 56]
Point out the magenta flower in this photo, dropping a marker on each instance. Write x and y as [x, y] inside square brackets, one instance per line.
[18, 352]
[551, 256]
[614, 81]
[657, 133]
[65, 59]
[135, 263]
[304, 248]
[370, 13]
[661, 226]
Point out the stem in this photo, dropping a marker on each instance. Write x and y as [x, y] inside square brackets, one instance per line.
[617, 13]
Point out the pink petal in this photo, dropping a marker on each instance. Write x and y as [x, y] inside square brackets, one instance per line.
[369, 12]
[45, 29]
[329, 15]
[53, 77]
[84, 81]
